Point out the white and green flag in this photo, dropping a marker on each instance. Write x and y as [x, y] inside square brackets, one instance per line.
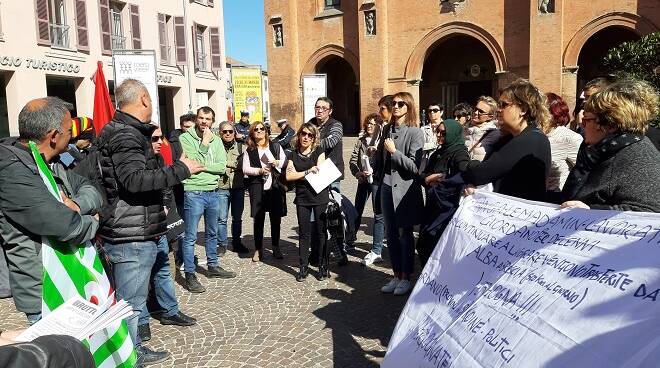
[75, 269]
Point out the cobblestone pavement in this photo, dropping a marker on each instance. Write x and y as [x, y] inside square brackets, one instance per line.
[264, 318]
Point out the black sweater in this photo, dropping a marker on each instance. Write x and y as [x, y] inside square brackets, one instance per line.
[517, 166]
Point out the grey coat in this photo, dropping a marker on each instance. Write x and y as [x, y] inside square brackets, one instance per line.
[29, 211]
[406, 182]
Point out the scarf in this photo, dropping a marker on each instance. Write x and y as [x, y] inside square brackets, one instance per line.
[454, 134]
[589, 157]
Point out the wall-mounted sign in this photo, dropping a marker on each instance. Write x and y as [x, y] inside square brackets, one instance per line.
[314, 86]
[55, 66]
[140, 65]
[475, 70]
[247, 91]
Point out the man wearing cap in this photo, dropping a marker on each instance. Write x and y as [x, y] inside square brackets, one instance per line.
[286, 134]
[242, 127]
[80, 144]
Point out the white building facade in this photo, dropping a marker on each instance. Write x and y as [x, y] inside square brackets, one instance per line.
[51, 48]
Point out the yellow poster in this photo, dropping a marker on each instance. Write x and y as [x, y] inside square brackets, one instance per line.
[247, 92]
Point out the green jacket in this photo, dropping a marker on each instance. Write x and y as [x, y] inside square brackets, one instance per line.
[213, 157]
[233, 177]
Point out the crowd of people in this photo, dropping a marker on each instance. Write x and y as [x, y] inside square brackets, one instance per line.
[120, 191]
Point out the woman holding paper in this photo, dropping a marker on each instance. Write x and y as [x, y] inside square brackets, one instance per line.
[617, 167]
[397, 164]
[361, 165]
[262, 165]
[305, 160]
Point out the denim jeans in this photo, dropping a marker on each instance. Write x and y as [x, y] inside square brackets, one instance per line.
[131, 269]
[400, 239]
[335, 185]
[234, 199]
[33, 318]
[361, 196]
[197, 204]
[162, 284]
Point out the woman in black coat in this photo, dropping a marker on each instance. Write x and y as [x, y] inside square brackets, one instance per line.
[449, 159]
[617, 168]
[520, 161]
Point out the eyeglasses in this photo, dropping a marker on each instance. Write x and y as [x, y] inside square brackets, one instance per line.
[321, 108]
[156, 138]
[370, 123]
[259, 129]
[501, 104]
[399, 104]
[434, 110]
[304, 134]
[478, 111]
[227, 132]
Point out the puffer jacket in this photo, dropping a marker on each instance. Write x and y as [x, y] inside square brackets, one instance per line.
[133, 182]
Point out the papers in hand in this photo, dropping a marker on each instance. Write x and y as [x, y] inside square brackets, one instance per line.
[78, 318]
[327, 174]
[367, 167]
[267, 157]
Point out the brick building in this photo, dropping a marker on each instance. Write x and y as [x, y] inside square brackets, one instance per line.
[51, 47]
[440, 50]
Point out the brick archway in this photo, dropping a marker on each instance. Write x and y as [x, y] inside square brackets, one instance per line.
[634, 22]
[331, 50]
[415, 64]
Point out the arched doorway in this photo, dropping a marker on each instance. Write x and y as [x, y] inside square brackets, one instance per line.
[457, 69]
[594, 50]
[343, 90]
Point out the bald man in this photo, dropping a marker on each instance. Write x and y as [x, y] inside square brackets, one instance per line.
[29, 210]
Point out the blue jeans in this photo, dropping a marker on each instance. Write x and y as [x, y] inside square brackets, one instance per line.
[197, 204]
[33, 318]
[335, 185]
[234, 199]
[131, 268]
[400, 239]
[162, 284]
[361, 196]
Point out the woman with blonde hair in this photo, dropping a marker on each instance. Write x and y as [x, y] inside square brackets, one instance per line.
[305, 159]
[618, 167]
[398, 158]
[520, 160]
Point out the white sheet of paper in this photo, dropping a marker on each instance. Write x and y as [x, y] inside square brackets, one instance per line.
[515, 283]
[327, 174]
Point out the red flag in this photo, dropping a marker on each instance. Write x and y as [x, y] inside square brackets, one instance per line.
[103, 108]
[166, 152]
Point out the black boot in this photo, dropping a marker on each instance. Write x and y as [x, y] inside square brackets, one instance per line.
[144, 332]
[192, 284]
[146, 356]
[219, 272]
[277, 253]
[324, 273]
[302, 274]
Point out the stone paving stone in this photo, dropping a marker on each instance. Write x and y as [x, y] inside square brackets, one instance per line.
[264, 318]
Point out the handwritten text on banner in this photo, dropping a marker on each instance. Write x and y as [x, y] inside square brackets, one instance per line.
[514, 283]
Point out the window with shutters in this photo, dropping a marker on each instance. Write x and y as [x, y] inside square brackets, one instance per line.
[59, 30]
[117, 26]
[200, 48]
[2, 35]
[166, 38]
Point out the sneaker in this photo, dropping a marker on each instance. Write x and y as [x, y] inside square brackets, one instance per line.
[193, 285]
[389, 288]
[403, 287]
[219, 272]
[371, 258]
[178, 319]
[146, 356]
[144, 332]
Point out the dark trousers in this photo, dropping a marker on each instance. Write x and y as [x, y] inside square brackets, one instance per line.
[305, 231]
[259, 220]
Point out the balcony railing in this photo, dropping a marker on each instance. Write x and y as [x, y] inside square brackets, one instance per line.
[59, 35]
[201, 62]
[118, 42]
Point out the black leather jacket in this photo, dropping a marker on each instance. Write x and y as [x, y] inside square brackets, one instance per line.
[51, 351]
[134, 182]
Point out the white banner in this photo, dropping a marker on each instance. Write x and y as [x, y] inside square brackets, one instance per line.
[314, 86]
[515, 283]
[140, 65]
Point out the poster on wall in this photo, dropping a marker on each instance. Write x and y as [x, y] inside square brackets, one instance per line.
[314, 86]
[140, 65]
[515, 283]
[247, 91]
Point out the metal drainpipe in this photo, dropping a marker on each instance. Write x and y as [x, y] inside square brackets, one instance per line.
[189, 74]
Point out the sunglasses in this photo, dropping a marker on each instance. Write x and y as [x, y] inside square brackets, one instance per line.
[434, 110]
[260, 129]
[478, 111]
[306, 134]
[156, 138]
[399, 104]
[501, 104]
[227, 132]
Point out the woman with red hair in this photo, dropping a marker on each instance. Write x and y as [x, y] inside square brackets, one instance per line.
[564, 144]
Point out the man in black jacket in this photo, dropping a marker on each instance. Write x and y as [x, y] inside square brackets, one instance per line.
[332, 133]
[286, 134]
[134, 217]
